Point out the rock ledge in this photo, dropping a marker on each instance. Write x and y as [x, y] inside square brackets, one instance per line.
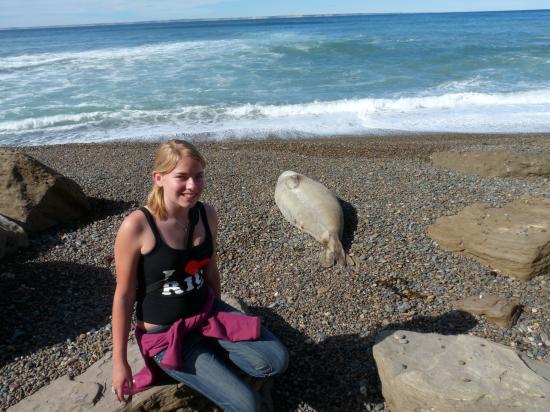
[432, 372]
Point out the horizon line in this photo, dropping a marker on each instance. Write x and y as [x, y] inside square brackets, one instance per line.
[283, 16]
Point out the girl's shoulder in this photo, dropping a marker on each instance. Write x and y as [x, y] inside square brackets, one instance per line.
[209, 208]
[134, 223]
[210, 211]
[212, 217]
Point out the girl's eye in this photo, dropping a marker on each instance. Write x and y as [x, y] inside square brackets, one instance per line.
[184, 177]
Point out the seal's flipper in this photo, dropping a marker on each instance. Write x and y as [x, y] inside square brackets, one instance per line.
[350, 261]
[335, 246]
[326, 258]
[334, 252]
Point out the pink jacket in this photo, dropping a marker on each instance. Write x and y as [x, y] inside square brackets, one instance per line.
[233, 327]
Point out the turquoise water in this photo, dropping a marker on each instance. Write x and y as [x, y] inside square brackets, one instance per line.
[288, 77]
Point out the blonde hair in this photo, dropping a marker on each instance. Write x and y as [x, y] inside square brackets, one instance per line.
[168, 155]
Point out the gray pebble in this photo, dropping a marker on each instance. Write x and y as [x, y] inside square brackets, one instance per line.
[403, 307]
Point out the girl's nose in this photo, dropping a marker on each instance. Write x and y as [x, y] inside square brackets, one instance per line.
[191, 183]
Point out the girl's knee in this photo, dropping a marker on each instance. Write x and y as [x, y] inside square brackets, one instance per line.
[260, 359]
[280, 360]
[272, 362]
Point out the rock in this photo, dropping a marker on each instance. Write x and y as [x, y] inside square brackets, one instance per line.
[545, 142]
[235, 302]
[502, 163]
[514, 240]
[500, 311]
[35, 195]
[403, 307]
[12, 236]
[491, 378]
[540, 368]
[66, 397]
[91, 391]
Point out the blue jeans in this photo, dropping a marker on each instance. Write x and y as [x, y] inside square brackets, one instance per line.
[209, 366]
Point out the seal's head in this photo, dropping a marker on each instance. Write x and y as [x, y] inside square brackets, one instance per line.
[291, 179]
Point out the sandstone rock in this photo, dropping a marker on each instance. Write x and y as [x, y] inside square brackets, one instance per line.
[91, 391]
[501, 311]
[503, 163]
[541, 141]
[35, 195]
[540, 368]
[235, 302]
[463, 373]
[514, 240]
[12, 236]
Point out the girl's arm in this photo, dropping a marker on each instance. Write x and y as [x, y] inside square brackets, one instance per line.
[127, 252]
[212, 274]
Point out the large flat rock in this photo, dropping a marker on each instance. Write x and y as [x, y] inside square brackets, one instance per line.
[91, 391]
[503, 163]
[463, 373]
[514, 240]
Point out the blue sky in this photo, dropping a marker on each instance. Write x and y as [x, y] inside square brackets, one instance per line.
[27, 13]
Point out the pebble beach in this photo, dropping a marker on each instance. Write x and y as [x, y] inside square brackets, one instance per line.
[57, 293]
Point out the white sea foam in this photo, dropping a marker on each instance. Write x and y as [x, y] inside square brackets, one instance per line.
[457, 86]
[45, 122]
[461, 112]
[403, 104]
[123, 53]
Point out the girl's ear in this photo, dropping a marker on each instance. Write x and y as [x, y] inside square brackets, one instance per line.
[157, 178]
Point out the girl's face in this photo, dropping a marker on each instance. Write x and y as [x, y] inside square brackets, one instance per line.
[183, 185]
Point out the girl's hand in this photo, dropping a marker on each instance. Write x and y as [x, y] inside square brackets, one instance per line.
[122, 378]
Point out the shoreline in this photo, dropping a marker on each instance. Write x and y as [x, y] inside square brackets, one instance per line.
[207, 138]
[61, 295]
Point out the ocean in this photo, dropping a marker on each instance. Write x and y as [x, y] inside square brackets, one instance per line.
[277, 77]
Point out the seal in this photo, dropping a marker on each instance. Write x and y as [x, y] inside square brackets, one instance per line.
[314, 209]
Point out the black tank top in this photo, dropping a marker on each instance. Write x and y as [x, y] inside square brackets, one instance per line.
[170, 281]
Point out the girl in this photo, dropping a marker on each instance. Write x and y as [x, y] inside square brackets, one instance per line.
[165, 256]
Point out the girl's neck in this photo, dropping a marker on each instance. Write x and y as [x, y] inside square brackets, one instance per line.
[179, 214]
